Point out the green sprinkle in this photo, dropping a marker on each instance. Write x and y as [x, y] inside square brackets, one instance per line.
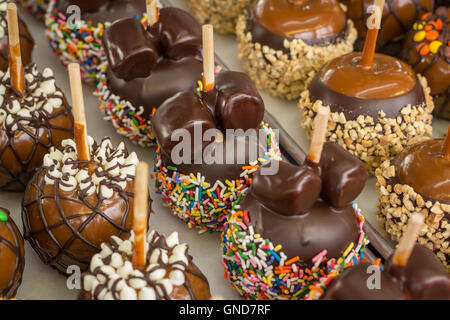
[172, 168]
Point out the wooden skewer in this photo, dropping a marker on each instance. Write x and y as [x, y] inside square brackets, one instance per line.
[408, 240]
[79, 115]
[446, 146]
[208, 57]
[17, 76]
[152, 12]
[140, 215]
[372, 35]
[319, 133]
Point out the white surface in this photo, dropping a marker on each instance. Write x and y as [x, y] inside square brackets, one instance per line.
[42, 282]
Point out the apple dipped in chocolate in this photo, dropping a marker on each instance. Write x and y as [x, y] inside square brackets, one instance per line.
[398, 17]
[144, 266]
[283, 43]
[418, 180]
[146, 66]
[34, 114]
[427, 50]
[12, 256]
[296, 228]
[412, 272]
[81, 196]
[378, 104]
[26, 40]
[210, 145]
[80, 40]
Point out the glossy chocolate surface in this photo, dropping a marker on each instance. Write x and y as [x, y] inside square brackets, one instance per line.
[347, 87]
[423, 167]
[177, 40]
[343, 175]
[101, 11]
[186, 110]
[12, 256]
[316, 22]
[423, 277]
[352, 285]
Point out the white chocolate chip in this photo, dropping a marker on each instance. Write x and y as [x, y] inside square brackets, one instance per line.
[147, 293]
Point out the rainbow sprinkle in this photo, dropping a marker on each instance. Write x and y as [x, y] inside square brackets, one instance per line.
[203, 204]
[82, 45]
[259, 270]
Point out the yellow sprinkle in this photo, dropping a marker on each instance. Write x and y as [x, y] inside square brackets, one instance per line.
[228, 182]
[298, 292]
[269, 279]
[281, 275]
[256, 236]
[350, 247]
[277, 248]
[193, 177]
[340, 261]
[208, 193]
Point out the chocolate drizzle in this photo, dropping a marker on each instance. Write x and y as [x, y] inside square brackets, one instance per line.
[26, 40]
[169, 274]
[29, 126]
[70, 207]
[12, 255]
[398, 17]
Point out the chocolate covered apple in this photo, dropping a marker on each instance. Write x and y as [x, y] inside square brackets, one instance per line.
[12, 256]
[145, 67]
[283, 43]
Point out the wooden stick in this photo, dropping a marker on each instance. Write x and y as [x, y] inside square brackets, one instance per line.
[140, 214]
[408, 240]
[79, 116]
[16, 72]
[319, 133]
[208, 57]
[446, 146]
[372, 34]
[152, 12]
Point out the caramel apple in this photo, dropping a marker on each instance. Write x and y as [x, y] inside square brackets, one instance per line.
[417, 180]
[145, 67]
[283, 43]
[398, 17]
[12, 256]
[427, 50]
[378, 104]
[221, 14]
[81, 41]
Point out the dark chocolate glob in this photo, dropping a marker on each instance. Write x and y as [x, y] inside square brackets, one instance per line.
[423, 278]
[146, 67]
[316, 22]
[12, 255]
[346, 86]
[286, 207]
[233, 103]
[423, 167]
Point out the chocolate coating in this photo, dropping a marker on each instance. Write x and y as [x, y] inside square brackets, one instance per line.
[186, 109]
[423, 277]
[398, 17]
[316, 22]
[177, 38]
[293, 190]
[131, 56]
[12, 257]
[26, 43]
[343, 175]
[101, 11]
[335, 85]
[235, 101]
[352, 285]
[423, 167]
